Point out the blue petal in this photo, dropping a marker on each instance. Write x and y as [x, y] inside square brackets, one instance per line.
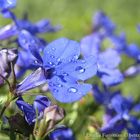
[41, 102]
[62, 133]
[90, 45]
[33, 80]
[60, 51]
[109, 59]
[29, 42]
[80, 69]
[137, 107]
[119, 42]
[66, 92]
[44, 26]
[7, 31]
[5, 4]
[111, 77]
[100, 20]
[138, 28]
[97, 93]
[113, 126]
[27, 109]
[134, 127]
[26, 25]
[132, 71]
[24, 57]
[19, 72]
[133, 51]
[120, 104]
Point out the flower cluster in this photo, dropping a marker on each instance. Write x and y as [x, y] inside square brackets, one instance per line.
[65, 66]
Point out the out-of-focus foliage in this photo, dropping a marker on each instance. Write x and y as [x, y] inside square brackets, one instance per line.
[75, 17]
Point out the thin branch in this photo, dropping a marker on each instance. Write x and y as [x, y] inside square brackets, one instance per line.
[6, 81]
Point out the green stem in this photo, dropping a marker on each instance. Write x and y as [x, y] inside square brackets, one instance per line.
[6, 105]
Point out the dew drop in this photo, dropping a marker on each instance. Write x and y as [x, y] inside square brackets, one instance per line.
[24, 41]
[36, 62]
[58, 59]
[53, 49]
[22, 107]
[55, 90]
[65, 74]
[80, 69]
[59, 85]
[72, 90]
[52, 56]
[83, 61]
[76, 56]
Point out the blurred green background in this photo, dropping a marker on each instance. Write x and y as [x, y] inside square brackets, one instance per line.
[75, 16]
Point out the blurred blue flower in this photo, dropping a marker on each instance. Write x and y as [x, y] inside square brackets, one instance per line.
[132, 71]
[107, 67]
[30, 111]
[6, 4]
[91, 44]
[42, 26]
[104, 29]
[105, 93]
[133, 51]
[101, 23]
[107, 61]
[27, 42]
[62, 69]
[117, 108]
[62, 133]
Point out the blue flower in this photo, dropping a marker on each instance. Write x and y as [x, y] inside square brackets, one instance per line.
[101, 23]
[133, 51]
[40, 27]
[6, 4]
[26, 42]
[107, 67]
[8, 31]
[106, 95]
[107, 60]
[91, 44]
[62, 133]
[118, 117]
[30, 111]
[62, 69]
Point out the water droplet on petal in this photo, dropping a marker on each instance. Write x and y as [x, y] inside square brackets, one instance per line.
[58, 59]
[60, 85]
[72, 90]
[50, 63]
[83, 61]
[53, 49]
[55, 90]
[24, 41]
[65, 74]
[76, 56]
[52, 56]
[80, 69]
[22, 107]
